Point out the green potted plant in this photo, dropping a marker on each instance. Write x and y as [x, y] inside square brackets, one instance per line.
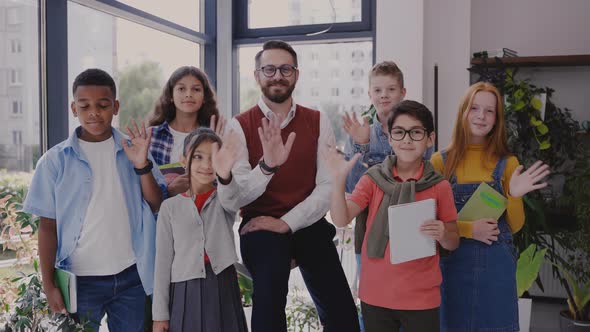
[577, 317]
[527, 271]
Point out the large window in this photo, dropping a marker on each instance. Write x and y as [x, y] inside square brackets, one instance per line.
[140, 58]
[19, 86]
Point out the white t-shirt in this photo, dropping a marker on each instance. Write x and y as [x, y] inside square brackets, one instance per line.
[104, 246]
[178, 137]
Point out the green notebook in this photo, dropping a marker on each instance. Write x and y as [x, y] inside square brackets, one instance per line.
[66, 282]
[485, 202]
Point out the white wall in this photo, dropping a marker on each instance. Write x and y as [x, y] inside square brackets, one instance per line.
[540, 27]
[531, 27]
[418, 34]
[446, 43]
[400, 34]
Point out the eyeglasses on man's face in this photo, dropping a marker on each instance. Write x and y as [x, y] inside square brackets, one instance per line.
[416, 134]
[270, 70]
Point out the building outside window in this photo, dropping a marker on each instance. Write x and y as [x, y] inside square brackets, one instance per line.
[17, 107]
[15, 46]
[19, 88]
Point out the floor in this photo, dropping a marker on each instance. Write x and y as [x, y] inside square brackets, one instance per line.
[545, 315]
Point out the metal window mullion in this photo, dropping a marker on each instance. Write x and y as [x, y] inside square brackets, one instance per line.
[55, 69]
[43, 75]
[209, 51]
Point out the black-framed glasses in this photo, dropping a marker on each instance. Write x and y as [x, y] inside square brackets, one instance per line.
[416, 133]
[270, 70]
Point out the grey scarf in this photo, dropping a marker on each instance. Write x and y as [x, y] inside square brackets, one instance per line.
[394, 193]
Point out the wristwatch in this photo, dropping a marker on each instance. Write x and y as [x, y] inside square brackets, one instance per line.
[145, 170]
[267, 168]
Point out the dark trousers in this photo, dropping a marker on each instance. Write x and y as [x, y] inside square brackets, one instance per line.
[267, 255]
[379, 319]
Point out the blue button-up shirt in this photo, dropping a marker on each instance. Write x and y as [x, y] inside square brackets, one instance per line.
[373, 153]
[61, 189]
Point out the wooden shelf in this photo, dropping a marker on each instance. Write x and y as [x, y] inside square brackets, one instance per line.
[536, 61]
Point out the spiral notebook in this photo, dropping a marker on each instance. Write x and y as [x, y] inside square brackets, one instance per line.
[406, 243]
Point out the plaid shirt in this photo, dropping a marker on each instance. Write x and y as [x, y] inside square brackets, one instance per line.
[162, 143]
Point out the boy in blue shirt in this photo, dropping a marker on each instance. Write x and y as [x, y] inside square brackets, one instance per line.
[95, 194]
[386, 89]
[371, 138]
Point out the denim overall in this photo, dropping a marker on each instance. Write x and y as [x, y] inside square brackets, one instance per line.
[479, 280]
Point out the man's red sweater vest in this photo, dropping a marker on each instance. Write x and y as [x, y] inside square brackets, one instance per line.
[295, 180]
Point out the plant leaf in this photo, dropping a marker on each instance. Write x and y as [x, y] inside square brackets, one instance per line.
[536, 122]
[542, 129]
[528, 267]
[519, 105]
[544, 145]
[536, 104]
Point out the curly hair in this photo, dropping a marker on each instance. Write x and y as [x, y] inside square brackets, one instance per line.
[165, 109]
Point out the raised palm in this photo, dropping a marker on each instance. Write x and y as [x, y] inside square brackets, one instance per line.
[224, 158]
[360, 133]
[275, 152]
[522, 183]
[140, 139]
[217, 124]
[338, 166]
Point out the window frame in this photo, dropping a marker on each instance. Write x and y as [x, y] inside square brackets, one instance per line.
[242, 31]
[16, 105]
[13, 16]
[15, 77]
[16, 46]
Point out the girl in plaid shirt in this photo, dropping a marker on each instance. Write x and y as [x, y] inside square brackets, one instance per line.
[187, 102]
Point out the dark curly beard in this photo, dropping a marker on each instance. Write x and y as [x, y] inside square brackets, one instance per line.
[278, 97]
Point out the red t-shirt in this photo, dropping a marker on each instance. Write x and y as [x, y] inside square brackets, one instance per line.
[413, 285]
[200, 200]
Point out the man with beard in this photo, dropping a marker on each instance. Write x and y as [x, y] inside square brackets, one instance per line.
[284, 190]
